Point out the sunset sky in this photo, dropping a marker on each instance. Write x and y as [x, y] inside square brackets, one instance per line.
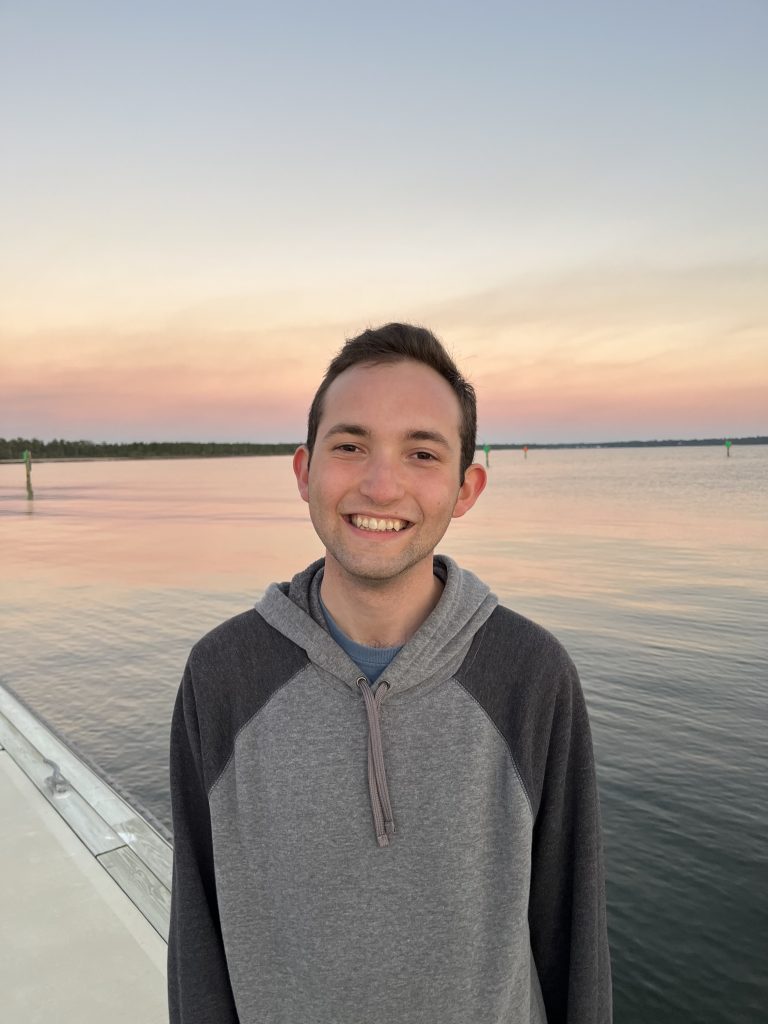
[201, 201]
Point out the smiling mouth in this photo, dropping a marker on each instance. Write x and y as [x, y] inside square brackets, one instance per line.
[382, 525]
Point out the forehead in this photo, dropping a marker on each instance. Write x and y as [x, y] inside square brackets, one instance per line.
[401, 396]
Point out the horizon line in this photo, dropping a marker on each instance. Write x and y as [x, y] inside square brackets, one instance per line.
[479, 446]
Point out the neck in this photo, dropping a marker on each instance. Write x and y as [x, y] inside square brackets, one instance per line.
[380, 613]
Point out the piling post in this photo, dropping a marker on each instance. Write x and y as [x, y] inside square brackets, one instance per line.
[486, 449]
[27, 456]
[728, 449]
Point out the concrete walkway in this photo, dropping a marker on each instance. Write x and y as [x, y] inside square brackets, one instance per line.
[75, 949]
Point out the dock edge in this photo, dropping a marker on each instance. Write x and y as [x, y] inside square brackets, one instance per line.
[132, 852]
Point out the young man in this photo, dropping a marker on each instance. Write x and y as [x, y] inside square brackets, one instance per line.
[384, 799]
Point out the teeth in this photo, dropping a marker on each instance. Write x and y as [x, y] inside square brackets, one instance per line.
[379, 525]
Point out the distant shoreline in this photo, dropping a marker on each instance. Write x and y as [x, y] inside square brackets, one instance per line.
[89, 451]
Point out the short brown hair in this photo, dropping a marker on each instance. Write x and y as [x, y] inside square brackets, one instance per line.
[394, 343]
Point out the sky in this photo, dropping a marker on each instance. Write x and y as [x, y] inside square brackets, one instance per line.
[199, 202]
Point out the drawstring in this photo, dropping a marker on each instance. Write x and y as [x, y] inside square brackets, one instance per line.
[377, 777]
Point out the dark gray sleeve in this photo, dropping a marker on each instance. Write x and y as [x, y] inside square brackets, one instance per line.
[567, 914]
[530, 689]
[199, 989]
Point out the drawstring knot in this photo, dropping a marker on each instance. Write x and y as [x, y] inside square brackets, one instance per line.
[383, 820]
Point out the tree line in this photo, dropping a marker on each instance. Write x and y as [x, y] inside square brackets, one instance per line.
[14, 448]
[61, 449]
[667, 443]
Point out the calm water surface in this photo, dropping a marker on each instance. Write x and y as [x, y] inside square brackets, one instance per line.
[650, 565]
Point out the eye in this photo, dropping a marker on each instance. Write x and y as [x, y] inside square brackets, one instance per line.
[348, 446]
[425, 456]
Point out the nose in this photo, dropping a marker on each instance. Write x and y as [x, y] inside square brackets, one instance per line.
[382, 482]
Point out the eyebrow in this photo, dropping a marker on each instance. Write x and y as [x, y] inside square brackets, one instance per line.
[428, 435]
[346, 428]
[356, 430]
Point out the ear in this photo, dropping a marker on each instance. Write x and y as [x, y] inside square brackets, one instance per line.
[301, 470]
[475, 480]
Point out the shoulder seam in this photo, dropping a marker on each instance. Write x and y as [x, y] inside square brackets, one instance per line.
[248, 721]
[504, 740]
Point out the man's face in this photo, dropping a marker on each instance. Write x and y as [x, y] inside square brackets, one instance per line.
[383, 481]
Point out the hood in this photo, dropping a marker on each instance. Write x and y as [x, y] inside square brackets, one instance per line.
[435, 650]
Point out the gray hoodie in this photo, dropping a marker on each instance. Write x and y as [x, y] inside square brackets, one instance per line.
[426, 853]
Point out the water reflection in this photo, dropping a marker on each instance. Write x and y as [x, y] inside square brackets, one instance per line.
[651, 565]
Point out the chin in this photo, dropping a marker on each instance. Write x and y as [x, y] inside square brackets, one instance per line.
[376, 572]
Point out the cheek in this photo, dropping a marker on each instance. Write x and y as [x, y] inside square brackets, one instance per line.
[324, 491]
[440, 505]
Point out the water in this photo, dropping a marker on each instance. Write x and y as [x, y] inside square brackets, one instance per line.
[650, 565]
